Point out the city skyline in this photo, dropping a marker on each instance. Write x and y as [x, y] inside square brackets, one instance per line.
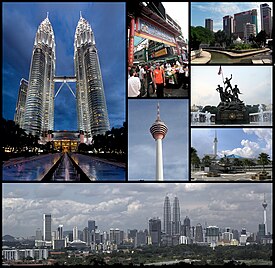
[205, 81]
[142, 148]
[64, 18]
[217, 10]
[223, 205]
[245, 142]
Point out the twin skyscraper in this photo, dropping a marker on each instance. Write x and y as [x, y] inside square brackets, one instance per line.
[38, 116]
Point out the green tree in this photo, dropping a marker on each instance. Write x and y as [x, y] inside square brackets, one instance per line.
[263, 159]
[261, 38]
[195, 160]
[200, 35]
[206, 160]
[221, 38]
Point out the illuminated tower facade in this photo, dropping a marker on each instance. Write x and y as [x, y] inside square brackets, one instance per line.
[167, 228]
[159, 131]
[176, 217]
[264, 206]
[21, 103]
[91, 104]
[39, 110]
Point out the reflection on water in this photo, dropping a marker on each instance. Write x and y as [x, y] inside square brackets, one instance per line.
[97, 170]
[30, 169]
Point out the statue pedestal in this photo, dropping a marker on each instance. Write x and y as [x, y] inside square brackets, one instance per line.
[232, 113]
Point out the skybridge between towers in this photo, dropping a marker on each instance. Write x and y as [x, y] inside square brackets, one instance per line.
[64, 80]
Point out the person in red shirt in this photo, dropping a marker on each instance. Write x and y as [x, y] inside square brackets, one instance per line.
[159, 81]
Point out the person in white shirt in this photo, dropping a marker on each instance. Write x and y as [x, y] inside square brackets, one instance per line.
[134, 84]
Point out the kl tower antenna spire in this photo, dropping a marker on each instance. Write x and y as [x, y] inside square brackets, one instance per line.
[159, 131]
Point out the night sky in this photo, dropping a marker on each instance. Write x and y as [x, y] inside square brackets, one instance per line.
[20, 23]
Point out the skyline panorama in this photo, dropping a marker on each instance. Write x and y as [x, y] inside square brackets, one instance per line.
[222, 205]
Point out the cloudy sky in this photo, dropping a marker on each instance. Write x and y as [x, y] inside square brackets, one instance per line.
[131, 205]
[20, 23]
[217, 10]
[254, 82]
[142, 147]
[245, 142]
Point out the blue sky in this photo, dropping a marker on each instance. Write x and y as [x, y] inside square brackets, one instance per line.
[246, 142]
[142, 147]
[254, 82]
[217, 10]
[131, 205]
[20, 23]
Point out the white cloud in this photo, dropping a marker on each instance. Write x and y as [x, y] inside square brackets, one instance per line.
[222, 205]
[191, 187]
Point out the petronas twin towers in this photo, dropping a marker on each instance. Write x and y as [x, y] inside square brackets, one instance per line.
[91, 104]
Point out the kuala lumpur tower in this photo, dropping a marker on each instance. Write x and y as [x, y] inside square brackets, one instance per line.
[215, 145]
[158, 131]
[264, 206]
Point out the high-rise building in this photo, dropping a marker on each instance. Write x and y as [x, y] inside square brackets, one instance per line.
[212, 234]
[39, 110]
[264, 204]
[60, 232]
[91, 225]
[209, 24]
[240, 19]
[155, 231]
[38, 234]
[176, 217]
[249, 30]
[228, 25]
[86, 236]
[159, 131]
[167, 224]
[91, 104]
[75, 233]
[21, 103]
[266, 19]
[47, 227]
[199, 233]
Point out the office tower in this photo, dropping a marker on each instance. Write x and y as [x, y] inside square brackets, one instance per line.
[86, 236]
[215, 145]
[186, 227]
[176, 217]
[264, 204]
[91, 105]
[209, 24]
[21, 103]
[266, 19]
[228, 25]
[60, 232]
[261, 232]
[112, 235]
[47, 227]
[236, 234]
[212, 234]
[132, 234]
[38, 234]
[158, 131]
[243, 236]
[227, 235]
[199, 233]
[39, 111]
[155, 231]
[75, 233]
[240, 19]
[91, 225]
[141, 238]
[167, 224]
[249, 30]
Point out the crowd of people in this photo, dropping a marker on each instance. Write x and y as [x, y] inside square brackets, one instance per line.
[151, 79]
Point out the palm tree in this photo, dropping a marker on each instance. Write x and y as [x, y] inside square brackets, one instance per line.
[195, 160]
[206, 160]
[263, 159]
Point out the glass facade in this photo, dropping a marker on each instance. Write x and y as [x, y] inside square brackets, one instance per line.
[91, 104]
[21, 103]
[39, 111]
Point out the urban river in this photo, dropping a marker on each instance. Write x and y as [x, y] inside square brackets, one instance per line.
[223, 58]
[35, 168]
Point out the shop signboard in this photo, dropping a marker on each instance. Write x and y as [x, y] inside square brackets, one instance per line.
[147, 30]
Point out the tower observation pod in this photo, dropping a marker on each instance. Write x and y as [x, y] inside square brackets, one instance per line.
[159, 131]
